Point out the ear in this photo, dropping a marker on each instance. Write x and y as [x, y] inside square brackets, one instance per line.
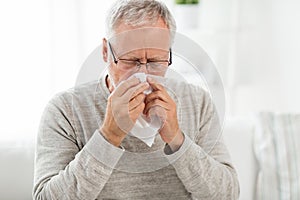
[104, 50]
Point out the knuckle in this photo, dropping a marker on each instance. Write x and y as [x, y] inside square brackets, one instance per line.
[142, 106]
[133, 95]
[138, 99]
[141, 97]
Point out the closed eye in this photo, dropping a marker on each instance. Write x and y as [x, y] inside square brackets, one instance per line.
[153, 61]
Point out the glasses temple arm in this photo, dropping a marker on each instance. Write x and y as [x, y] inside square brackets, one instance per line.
[112, 53]
[170, 59]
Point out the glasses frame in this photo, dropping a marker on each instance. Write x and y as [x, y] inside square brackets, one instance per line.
[116, 60]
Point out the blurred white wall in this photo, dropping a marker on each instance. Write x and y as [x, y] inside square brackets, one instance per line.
[255, 45]
[25, 72]
[42, 44]
[267, 56]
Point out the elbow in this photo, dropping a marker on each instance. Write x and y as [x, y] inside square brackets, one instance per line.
[229, 188]
[38, 192]
[236, 188]
[232, 186]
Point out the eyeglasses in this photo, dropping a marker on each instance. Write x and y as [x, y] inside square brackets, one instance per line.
[135, 65]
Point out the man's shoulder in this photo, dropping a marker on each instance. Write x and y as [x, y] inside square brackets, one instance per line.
[84, 93]
[184, 89]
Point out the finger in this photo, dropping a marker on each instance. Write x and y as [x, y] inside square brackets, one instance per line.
[125, 85]
[134, 91]
[154, 84]
[140, 89]
[136, 112]
[158, 94]
[135, 102]
[156, 102]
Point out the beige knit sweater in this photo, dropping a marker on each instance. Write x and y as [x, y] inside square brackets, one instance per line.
[73, 160]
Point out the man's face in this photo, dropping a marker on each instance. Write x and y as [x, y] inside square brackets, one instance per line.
[131, 46]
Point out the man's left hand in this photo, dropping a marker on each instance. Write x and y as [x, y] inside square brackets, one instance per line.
[170, 131]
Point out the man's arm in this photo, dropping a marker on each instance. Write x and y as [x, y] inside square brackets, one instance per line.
[62, 170]
[203, 164]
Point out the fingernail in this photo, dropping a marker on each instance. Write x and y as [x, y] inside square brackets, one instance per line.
[146, 84]
[137, 79]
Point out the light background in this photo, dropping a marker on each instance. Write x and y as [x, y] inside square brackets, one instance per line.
[254, 43]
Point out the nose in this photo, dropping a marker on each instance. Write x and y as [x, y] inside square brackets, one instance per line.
[143, 68]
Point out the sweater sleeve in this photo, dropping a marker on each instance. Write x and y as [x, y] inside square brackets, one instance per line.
[63, 170]
[203, 164]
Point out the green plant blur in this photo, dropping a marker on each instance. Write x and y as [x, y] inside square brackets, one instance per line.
[186, 1]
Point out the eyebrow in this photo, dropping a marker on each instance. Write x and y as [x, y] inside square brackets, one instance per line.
[129, 57]
[157, 58]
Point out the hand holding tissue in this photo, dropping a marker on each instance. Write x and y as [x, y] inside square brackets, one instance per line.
[145, 127]
[142, 107]
[124, 106]
[159, 115]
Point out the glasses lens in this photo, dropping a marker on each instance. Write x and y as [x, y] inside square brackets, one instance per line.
[128, 65]
[132, 65]
[157, 66]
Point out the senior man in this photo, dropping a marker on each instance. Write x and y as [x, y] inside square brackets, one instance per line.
[85, 131]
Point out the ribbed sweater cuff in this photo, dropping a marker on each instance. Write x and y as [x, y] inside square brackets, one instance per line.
[103, 151]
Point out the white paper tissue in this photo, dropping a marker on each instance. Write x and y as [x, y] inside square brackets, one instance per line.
[146, 128]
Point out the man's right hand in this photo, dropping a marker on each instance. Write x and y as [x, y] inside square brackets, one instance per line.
[124, 106]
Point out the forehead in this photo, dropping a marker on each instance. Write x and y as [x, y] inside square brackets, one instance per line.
[130, 39]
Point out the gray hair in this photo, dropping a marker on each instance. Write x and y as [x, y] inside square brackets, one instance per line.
[137, 13]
